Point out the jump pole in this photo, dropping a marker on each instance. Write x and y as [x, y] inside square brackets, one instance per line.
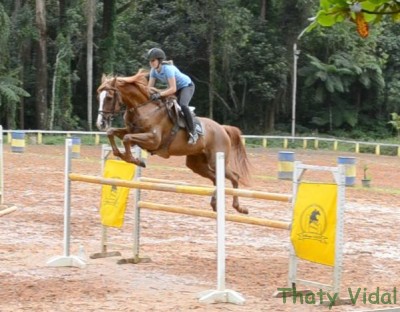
[213, 215]
[221, 294]
[67, 259]
[183, 189]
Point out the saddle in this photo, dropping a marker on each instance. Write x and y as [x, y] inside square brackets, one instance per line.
[175, 113]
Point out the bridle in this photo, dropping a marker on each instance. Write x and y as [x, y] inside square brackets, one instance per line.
[116, 99]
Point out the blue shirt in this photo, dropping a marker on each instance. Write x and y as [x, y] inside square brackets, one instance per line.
[169, 71]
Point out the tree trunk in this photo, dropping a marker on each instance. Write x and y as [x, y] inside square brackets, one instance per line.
[108, 17]
[54, 97]
[211, 75]
[91, 5]
[17, 7]
[63, 5]
[263, 10]
[211, 58]
[41, 66]
[107, 35]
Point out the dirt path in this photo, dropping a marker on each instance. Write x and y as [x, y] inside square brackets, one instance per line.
[182, 249]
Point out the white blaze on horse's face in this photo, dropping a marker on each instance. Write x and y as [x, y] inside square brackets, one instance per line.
[102, 123]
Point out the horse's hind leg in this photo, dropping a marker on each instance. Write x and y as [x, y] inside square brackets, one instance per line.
[234, 178]
[200, 165]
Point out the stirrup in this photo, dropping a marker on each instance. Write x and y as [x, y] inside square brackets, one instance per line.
[193, 138]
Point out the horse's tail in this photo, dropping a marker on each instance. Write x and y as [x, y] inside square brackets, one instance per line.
[238, 160]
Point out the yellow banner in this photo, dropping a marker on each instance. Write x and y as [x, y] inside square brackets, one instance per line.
[114, 198]
[314, 223]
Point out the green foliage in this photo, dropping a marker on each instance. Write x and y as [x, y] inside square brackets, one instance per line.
[395, 122]
[5, 26]
[336, 11]
[346, 86]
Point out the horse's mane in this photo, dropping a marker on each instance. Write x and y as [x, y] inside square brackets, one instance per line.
[140, 79]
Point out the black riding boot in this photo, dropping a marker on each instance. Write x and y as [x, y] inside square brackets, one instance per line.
[193, 136]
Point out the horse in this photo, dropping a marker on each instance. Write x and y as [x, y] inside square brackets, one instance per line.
[148, 125]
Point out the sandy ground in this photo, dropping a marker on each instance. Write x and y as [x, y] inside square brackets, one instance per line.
[182, 248]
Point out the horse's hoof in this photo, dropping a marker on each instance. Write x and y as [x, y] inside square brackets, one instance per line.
[142, 164]
[241, 210]
[244, 211]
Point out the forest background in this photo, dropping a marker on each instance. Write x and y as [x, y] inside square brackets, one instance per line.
[239, 53]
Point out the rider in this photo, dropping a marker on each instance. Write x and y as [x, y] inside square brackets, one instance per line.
[177, 82]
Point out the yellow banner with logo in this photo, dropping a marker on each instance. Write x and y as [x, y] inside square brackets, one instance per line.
[314, 223]
[114, 198]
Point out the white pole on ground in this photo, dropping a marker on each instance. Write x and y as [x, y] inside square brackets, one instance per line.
[340, 179]
[67, 259]
[221, 294]
[136, 229]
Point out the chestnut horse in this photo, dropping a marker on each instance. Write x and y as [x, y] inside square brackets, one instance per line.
[148, 125]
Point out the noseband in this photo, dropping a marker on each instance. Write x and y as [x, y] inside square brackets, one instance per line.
[112, 112]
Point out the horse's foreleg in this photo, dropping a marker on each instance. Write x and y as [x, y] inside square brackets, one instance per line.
[120, 133]
[213, 202]
[148, 141]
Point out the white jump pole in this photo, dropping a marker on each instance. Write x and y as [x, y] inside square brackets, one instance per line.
[67, 259]
[221, 294]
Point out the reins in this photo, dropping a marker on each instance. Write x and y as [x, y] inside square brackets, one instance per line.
[118, 94]
[140, 105]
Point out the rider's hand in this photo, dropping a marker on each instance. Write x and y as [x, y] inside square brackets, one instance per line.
[155, 96]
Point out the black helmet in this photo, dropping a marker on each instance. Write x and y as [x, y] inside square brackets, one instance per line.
[156, 53]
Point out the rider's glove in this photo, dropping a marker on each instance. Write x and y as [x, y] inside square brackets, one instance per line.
[155, 96]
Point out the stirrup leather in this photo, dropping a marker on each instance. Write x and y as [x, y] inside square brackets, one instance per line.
[193, 138]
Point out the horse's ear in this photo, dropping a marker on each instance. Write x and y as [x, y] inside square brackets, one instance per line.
[114, 82]
[103, 78]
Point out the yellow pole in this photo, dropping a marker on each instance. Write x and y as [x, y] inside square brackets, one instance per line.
[213, 215]
[184, 189]
[378, 150]
[39, 138]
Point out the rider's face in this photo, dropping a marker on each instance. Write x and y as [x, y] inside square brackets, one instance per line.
[154, 63]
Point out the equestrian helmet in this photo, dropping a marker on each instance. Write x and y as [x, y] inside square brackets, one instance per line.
[156, 53]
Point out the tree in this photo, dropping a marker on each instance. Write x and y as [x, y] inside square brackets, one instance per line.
[360, 12]
[41, 66]
[11, 91]
[91, 16]
[395, 122]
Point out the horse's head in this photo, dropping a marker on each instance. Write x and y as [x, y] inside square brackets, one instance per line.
[109, 102]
